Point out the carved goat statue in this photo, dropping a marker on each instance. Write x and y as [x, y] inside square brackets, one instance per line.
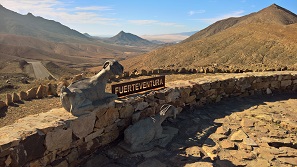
[85, 94]
[144, 134]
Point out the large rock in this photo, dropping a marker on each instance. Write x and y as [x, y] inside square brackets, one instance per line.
[83, 125]
[15, 98]
[23, 95]
[58, 139]
[108, 118]
[172, 96]
[238, 136]
[286, 83]
[34, 146]
[8, 99]
[41, 92]
[126, 111]
[31, 93]
[108, 137]
[246, 122]
[18, 156]
[141, 106]
[193, 152]
[52, 89]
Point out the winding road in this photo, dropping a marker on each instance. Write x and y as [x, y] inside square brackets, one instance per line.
[40, 71]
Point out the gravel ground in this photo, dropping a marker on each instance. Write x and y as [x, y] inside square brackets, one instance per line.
[10, 114]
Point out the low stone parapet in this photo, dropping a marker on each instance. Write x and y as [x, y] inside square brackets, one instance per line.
[57, 138]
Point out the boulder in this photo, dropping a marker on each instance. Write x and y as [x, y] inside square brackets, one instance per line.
[58, 139]
[41, 92]
[31, 93]
[83, 125]
[8, 99]
[52, 89]
[109, 117]
[23, 95]
[15, 97]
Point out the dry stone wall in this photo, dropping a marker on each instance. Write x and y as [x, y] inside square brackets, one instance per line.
[57, 138]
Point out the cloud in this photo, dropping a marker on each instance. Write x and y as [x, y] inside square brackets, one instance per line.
[61, 11]
[221, 17]
[154, 22]
[97, 8]
[192, 12]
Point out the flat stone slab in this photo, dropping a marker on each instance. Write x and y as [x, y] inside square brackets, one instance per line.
[38, 123]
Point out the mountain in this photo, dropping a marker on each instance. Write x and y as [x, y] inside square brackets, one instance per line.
[123, 38]
[35, 38]
[272, 14]
[267, 37]
[38, 27]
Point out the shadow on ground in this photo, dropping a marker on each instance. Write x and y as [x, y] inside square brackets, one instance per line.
[194, 125]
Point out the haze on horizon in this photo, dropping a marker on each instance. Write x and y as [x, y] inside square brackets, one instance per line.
[108, 17]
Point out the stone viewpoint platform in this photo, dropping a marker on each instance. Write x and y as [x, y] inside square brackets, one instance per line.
[57, 138]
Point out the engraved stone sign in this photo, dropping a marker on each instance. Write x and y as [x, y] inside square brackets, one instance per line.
[127, 88]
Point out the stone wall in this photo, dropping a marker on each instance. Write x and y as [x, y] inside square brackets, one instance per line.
[206, 69]
[57, 138]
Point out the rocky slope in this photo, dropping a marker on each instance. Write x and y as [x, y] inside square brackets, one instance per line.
[266, 38]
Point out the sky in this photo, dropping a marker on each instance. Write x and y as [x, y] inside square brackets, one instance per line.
[150, 17]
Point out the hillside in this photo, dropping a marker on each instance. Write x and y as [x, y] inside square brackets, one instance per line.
[273, 14]
[267, 37]
[29, 25]
[23, 47]
[35, 38]
[123, 38]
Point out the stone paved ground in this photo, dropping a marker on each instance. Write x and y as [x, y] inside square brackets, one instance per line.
[252, 131]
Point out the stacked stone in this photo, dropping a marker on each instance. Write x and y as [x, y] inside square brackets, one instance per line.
[36, 92]
[57, 138]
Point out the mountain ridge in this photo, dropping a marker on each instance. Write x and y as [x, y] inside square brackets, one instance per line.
[272, 11]
[35, 38]
[29, 25]
[241, 42]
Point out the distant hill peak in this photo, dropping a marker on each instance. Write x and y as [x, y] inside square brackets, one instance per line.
[124, 38]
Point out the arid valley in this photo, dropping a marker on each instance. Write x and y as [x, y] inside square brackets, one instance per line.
[232, 86]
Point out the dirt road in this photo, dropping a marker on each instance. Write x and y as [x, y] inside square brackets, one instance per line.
[40, 71]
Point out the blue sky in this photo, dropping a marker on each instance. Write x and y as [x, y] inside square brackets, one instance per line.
[108, 17]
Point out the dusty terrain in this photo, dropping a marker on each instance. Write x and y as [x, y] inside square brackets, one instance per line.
[266, 38]
[251, 131]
